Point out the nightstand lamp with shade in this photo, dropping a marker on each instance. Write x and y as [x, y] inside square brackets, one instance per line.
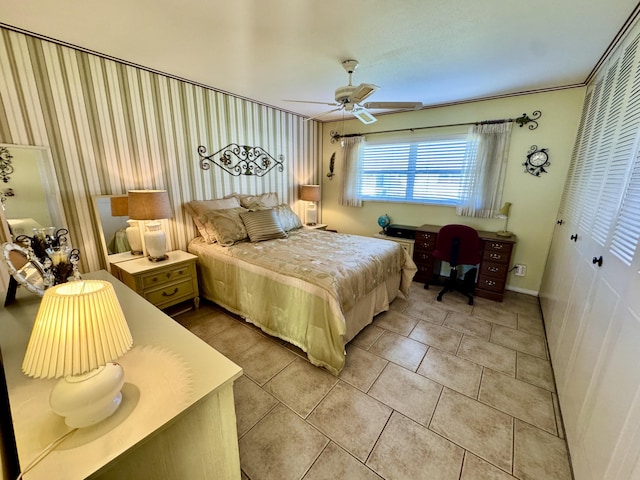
[120, 208]
[311, 195]
[504, 214]
[151, 205]
[79, 331]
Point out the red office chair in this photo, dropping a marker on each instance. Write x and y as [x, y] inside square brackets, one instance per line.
[458, 245]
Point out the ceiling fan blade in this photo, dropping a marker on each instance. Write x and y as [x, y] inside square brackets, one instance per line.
[362, 91]
[363, 115]
[395, 105]
[322, 114]
[333, 104]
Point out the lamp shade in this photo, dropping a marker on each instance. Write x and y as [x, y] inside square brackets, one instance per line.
[310, 193]
[120, 206]
[504, 211]
[149, 205]
[79, 327]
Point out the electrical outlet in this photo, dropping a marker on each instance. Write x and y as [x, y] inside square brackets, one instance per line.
[520, 270]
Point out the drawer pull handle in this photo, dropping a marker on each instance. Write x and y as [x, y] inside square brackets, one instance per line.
[493, 269]
[497, 246]
[495, 256]
[165, 294]
[491, 283]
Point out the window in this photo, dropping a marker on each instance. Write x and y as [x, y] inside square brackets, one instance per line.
[431, 170]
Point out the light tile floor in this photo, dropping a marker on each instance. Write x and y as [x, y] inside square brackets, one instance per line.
[431, 390]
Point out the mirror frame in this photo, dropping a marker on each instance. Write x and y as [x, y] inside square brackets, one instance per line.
[30, 274]
[49, 182]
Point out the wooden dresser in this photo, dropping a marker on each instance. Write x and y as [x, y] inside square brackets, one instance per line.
[177, 418]
[493, 270]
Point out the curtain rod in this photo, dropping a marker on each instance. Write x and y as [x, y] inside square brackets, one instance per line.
[521, 121]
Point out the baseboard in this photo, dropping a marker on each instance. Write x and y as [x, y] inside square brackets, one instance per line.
[535, 293]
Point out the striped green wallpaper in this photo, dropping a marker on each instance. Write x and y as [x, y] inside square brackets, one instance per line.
[112, 127]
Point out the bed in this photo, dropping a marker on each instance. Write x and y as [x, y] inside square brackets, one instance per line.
[312, 288]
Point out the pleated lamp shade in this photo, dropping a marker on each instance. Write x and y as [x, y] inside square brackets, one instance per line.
[79, 327]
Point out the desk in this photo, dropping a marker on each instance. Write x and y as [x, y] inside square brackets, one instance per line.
[177, 418]
[493, 269]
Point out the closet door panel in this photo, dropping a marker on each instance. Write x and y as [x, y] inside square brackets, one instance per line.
[615, 398]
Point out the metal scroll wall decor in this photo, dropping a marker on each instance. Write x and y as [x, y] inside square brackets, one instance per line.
[241, 160]
[6, 168]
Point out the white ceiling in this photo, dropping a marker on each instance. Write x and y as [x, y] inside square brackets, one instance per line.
[433, 51]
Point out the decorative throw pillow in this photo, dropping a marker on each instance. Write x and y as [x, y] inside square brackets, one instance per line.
[197, 208]
[225, 226]
[287, 217]
[263, 200]
[262, 225]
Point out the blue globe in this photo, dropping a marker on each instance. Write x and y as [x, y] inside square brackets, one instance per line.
[384, 221]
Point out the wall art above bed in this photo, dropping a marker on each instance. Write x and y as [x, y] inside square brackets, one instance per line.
[241, 160]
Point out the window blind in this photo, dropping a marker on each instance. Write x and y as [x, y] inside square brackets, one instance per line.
[426, 171]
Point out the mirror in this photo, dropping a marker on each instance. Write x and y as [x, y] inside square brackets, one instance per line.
[110, 210]
[24, 270]
[30, 195]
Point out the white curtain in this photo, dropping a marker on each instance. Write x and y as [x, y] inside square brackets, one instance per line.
[350, 191]
[487, 151]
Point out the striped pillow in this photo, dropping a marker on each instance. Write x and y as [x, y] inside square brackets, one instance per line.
[262, 225]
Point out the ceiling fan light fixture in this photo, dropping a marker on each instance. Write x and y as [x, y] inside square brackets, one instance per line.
[364, 116]
[394, 105]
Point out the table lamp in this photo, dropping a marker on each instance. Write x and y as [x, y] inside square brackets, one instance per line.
[120, 208]
[152, 205]
[78, 333]
[504, 214]
[310, 194]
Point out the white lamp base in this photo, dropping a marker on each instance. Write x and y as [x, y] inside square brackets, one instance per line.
[133, 236]
[156, 242]
[89, 398]
[311, 213]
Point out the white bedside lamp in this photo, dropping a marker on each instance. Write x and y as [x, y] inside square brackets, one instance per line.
[78, 333]
[151, 205]
[310, 194]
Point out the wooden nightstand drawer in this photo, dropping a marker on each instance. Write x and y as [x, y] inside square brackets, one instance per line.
[170, 293]
[155, 279]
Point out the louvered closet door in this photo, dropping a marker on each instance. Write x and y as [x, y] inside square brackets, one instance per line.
[595, 338]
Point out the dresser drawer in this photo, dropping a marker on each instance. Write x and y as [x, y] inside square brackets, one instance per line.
[162, 277]
[497, 246]
[426, 240]
[422, 257]
[493, 256]
[493, 284]
[493, 269]
[170, 292]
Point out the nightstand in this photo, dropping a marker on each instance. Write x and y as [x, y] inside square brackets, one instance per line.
[163, 283]
[317, 226]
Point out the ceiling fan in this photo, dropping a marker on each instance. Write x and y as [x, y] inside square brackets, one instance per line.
[349, 98]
